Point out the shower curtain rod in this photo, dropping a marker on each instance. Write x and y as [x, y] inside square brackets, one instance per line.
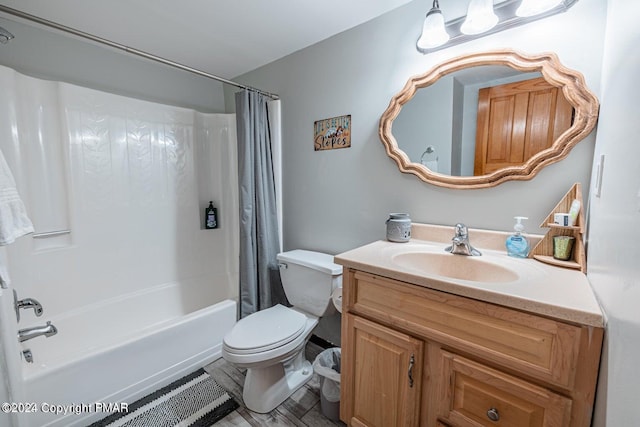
[128, 49]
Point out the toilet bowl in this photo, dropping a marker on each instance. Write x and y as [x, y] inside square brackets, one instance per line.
[270, 343]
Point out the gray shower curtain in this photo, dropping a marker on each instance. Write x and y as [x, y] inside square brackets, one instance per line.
[260, 285]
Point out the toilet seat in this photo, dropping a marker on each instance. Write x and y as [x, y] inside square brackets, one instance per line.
[265, 330]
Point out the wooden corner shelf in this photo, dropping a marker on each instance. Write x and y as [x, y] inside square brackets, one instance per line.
[543, 251]
[561, 227]
[557, 262]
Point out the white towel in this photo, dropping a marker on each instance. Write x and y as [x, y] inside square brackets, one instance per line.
[14, 221]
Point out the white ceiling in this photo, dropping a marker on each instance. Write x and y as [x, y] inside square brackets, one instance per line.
[222, 37]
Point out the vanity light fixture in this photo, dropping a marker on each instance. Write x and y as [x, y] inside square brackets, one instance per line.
[480, 17]
[434, 33]
[483, 18]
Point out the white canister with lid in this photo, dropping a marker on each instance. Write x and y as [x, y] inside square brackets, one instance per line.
[398, 227]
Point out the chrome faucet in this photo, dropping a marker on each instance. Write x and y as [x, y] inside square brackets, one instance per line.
[26, 304]
[29, 333]
[460, 242]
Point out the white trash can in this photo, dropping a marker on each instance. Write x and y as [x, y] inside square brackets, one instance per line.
[327, 366]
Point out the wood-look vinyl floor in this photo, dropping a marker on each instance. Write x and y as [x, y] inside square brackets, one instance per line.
[302, 409]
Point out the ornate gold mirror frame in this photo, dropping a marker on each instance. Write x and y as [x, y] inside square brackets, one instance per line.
[573, 86]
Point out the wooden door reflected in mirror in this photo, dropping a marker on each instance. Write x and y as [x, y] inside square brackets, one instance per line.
[516, 121]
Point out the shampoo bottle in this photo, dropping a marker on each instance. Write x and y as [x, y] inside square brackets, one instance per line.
[211, 217]
[517, 244]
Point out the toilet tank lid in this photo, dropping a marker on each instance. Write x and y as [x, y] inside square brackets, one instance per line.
[316, 260]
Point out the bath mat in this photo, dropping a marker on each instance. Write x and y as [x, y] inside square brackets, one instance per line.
[192, 401]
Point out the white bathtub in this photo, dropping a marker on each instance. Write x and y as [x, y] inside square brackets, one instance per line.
[122, 349]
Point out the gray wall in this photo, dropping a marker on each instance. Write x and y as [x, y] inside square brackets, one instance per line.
[52, 55]
[338, 200]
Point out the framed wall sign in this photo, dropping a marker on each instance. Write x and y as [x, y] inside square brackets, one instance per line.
[332, 133]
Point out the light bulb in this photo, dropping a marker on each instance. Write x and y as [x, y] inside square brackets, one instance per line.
[536, 7]
[434, 33]
[480, 17]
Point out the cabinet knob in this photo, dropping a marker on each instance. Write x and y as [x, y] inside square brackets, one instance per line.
[493, 414]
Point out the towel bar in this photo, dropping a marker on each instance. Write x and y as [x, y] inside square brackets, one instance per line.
[50, 234]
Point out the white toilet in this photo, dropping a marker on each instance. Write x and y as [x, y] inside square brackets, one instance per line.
[270, 343]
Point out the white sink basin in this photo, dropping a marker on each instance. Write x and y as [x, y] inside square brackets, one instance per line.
[461, 267]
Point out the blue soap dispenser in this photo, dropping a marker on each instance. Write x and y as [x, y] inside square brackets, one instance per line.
[517, 244]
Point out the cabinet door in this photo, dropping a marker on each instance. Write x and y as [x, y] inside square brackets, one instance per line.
[381, 375]
[477, 395]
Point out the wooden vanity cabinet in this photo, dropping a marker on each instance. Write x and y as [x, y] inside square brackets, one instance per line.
[386, 377]
[415, 356]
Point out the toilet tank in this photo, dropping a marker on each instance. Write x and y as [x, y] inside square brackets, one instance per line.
[308, 279]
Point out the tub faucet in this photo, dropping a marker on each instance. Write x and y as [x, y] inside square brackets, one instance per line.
[29, 303]
[28, 333]
[26, 303]
[460, 242]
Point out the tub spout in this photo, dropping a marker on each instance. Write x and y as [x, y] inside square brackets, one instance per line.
[29, 333]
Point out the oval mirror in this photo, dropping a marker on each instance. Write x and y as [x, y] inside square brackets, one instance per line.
[478, 120]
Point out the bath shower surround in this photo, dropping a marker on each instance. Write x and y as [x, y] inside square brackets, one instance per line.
[136, 269]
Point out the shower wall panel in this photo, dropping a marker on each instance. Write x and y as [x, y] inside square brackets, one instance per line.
[30, 118]
[130, 179]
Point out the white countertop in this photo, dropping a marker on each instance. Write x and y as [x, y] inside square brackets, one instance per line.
[538, 288]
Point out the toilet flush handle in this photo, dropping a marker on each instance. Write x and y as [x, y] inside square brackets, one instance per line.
[283, 265]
